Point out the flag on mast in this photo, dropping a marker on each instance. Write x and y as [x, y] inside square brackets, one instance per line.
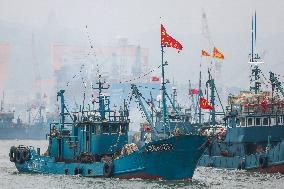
[193, 92]
[204, 53]
[217, 54]
[168, 41]
[204, 104]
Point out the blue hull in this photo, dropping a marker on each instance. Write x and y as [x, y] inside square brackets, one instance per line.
[271, 161]
[174, 158]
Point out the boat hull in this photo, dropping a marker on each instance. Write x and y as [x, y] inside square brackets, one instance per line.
[174, 158]
[271, 161]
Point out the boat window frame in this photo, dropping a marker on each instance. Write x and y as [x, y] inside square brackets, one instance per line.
[103, 126]
[237, 121]
[252, 122]
[125, 128]
[257, 118]
[267, 121]
[98, 129]
[279, 120]
[242, 120]
[272, 121]
[117, 130]
[93, 129]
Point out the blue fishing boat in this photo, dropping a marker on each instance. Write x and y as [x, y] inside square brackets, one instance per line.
[95, 144]
[252, 138]
[14, 128]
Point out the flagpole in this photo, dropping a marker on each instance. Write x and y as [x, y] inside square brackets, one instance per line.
[163, 92]
[199, 93]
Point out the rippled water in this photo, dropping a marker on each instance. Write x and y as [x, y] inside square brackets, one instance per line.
[203, 177]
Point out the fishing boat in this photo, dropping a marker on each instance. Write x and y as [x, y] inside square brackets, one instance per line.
[11, 128]
[253, 136]
[95, 144]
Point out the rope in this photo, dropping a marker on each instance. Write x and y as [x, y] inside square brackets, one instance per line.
[91, 43]
[141, 76]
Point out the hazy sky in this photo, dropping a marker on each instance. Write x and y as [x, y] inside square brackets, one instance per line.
[139, 20]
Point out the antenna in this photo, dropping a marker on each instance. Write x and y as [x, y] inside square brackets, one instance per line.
[254, 55]
[205, 29]
[255, 28]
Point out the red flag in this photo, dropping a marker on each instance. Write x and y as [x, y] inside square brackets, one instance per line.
[204, 104]
[204, 53]
[217, 53]
[193, 91]
[155, 78]
[168, 41]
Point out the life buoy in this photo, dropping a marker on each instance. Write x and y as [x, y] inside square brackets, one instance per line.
[108, 170]
[263, 161]
[12, 154]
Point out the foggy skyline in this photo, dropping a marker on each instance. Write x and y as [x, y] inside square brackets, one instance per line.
[64, 21]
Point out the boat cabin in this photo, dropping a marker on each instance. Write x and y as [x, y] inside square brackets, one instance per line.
[95, 134]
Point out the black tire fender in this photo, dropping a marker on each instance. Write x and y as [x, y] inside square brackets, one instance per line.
[12, 154]
[26, 154]
[108, 169]
[19, 156]
[263, 161]
[241, 165]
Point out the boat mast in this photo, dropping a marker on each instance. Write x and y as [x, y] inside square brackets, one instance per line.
[164, 103]
[255, 72]
[212, 98]
[101, 97]
[199, 96]
[62, 105]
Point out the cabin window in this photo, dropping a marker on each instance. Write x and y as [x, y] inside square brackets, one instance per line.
[242, 122]
[122, 128]
[257, 121]
[114, 128]
[279, 120]
[250, 121]
[98, 129]
[93, 129]
[265, 121]
[237, 121]
[272, 121]
[83, 128]
[105, 129]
